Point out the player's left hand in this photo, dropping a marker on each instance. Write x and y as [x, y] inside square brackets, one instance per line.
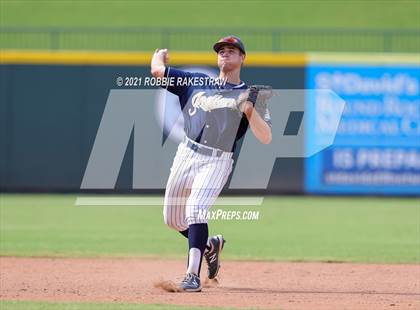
[256, 96]
[246, 108]
[244, 105]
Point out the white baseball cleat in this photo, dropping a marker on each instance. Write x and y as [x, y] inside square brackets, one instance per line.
[191, 283]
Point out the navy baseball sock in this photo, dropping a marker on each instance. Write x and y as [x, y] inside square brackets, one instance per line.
[184, 233]
[197, 240]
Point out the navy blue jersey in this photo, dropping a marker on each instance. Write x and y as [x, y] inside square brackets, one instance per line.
[210, 114]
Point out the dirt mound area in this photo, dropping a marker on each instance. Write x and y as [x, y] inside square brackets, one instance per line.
[266, 285]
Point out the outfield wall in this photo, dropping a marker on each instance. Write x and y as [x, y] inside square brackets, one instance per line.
[377, 145]
[51, 104]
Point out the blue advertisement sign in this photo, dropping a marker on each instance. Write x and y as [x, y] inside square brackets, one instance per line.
[377, 144]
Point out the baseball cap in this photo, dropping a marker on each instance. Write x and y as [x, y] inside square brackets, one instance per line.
[229, 40]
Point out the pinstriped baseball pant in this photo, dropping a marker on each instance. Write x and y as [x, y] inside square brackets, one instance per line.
[194, 183]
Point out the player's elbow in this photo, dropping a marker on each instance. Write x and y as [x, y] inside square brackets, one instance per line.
[266, 138]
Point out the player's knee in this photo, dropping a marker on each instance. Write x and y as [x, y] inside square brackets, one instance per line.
[169, 222]
[166, 218]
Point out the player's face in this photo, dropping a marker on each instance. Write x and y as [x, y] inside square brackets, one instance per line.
[229, 58]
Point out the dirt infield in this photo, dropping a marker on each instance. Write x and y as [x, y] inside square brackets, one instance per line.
[266, 285]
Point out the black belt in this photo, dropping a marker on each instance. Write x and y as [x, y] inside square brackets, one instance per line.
[203, 150]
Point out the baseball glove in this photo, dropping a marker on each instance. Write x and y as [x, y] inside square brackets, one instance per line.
[258, 95]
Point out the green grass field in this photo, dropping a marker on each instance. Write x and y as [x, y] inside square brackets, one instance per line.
[254, 14]
[289, 228]
[192, 25]
[29, 305]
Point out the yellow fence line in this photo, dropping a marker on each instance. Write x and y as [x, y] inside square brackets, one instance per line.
[364, 58]
[140, 58]
[199, 58]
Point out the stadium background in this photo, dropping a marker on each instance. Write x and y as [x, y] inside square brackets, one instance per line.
[60, 59]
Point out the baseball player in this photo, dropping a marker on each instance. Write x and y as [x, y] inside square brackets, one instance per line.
[215, 118]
